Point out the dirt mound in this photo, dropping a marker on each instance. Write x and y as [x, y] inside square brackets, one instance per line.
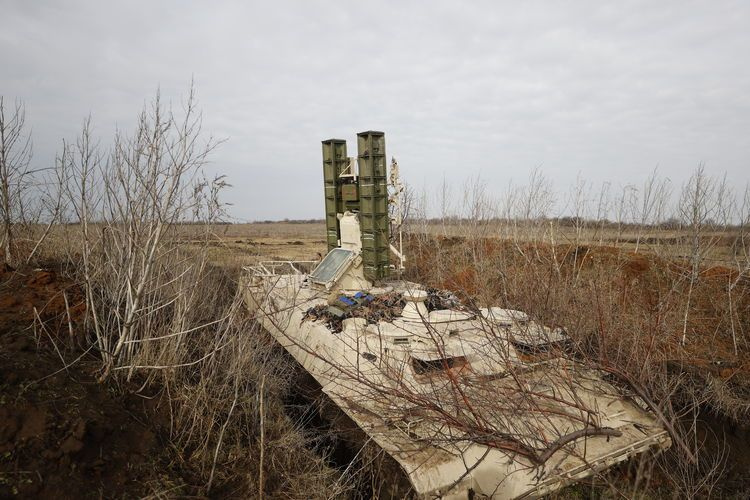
[63, 435]
[38, 294]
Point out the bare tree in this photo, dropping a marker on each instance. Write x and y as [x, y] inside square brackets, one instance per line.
[602, 211]
[445, 197]
[628, 197]
[579, 197]
[15, 157]
[538, 197]
[703, 199]
[129, 204]
[654, 196]
[52, 204]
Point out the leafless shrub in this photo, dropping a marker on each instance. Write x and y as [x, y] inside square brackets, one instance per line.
[627, 311]
[654, 198]
[127, 204]
[15, 173]
[161, 315]
[703, 204]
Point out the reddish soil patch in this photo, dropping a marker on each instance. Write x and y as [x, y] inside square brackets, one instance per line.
[648, 286]
[62, 434]
[38, 294]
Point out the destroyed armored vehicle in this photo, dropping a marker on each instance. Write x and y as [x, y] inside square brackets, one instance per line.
[470, 402]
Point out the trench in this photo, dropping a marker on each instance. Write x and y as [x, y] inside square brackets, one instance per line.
[722, 440]
[339, 441]
[306, 405]
[727, 443]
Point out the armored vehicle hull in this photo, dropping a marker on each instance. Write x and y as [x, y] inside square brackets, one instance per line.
[469, 402]
[480, 403]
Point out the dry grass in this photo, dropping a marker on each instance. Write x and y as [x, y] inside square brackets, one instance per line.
[668, 243]
[159, 313]
[245, 244]
[626, 310]
[623, 307]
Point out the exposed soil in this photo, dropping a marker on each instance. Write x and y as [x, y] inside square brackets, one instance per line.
[644, 282]
[63, 434]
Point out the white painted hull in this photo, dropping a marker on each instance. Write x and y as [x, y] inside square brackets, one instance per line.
[447, 470]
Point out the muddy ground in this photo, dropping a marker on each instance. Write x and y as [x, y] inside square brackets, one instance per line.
[63, 434]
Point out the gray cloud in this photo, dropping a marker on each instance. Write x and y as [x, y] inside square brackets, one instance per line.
[460, 88]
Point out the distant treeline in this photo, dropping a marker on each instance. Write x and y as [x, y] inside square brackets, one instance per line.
[566, 221]
[671, 223]
[223, 223]
[290, 221]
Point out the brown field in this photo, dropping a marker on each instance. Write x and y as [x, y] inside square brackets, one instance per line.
[250, 242]
[626, 296]
[626, 308]
[244, 244]
[592, 255]
[672, 243]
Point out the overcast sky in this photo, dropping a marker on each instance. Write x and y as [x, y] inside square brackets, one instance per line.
[494, 89]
